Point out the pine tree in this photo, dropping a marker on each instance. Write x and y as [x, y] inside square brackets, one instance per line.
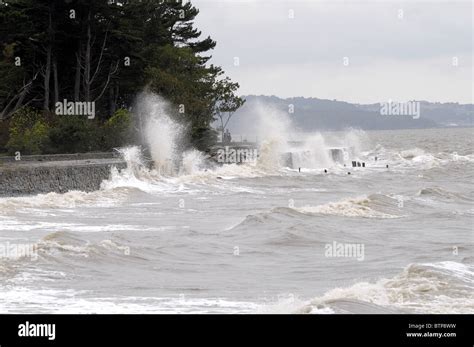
[107, 52]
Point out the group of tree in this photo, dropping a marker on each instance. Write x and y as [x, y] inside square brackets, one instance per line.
[106, 52]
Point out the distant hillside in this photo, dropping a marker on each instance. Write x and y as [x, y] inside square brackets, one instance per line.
[312, 114]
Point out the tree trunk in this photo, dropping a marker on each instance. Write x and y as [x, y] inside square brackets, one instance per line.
[47, 72]
[56, 84]
[116, 94]
[46, 79]
[87, 63]
[112, 98]
[222, 128]
[77, 81]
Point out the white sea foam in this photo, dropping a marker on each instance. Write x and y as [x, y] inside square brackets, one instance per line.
[83, 302]
[444, 287]
[351, 207]
[69, 199]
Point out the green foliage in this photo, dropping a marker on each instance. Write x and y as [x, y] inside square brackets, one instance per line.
[203, 138]
[226, 102]
[108, 53]
[28, 133]
[118, 129]
[75, 134]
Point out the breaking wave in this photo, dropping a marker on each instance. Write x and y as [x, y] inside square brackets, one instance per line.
[443, 194]
[172, 164]
[61, 244]
[373, 206]
[415, 158]
[70, 199]
[443, 287]
[421, 288]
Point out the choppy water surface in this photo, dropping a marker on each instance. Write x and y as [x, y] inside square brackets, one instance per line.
[254, 238]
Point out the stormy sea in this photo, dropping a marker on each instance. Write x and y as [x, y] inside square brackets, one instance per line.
[394, 235]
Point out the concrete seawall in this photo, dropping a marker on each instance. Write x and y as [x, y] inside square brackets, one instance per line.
[61, 173]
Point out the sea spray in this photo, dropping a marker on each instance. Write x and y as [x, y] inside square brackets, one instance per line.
[136, 174]
[273, 128]
[279, 146]
[161, 134]
[132, 157]
[164, 137]
[313, 154]
[193, 162]
[356, 139]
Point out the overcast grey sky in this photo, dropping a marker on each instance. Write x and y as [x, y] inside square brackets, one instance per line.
[395, 50]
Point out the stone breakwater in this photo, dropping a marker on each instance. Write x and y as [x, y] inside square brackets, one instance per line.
[60, 173]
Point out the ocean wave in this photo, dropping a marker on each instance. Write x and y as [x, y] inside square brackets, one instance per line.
[193, 167]
[412, 153]
[455, 157]
[443, 287]
[60, 245]
[443, 194]
[413, 158]
[70, 199]
[67, 244]
[373, 206]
